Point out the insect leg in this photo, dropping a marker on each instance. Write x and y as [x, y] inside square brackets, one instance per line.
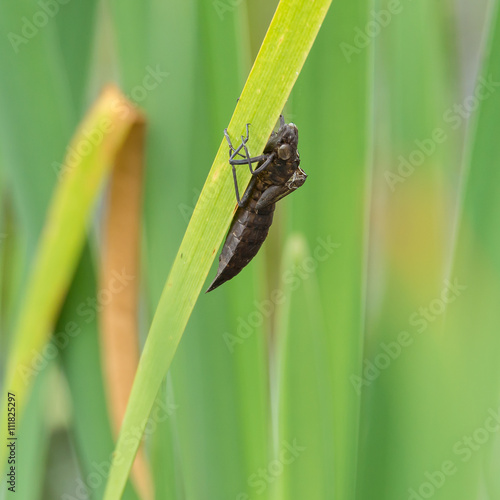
[253, 160]
[236, 185]
[248, 132]
[268, 161]
[282, 121]
[232, 150]
[244, 141]
[249, 160]
[232, 153]
[248, 192]
[271, 195]
[228, 139]
[275, 193]
[246, 195]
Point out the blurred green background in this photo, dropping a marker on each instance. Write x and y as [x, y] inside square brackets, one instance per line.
[375, 373]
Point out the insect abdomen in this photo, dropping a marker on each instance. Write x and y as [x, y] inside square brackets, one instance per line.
[247, 233]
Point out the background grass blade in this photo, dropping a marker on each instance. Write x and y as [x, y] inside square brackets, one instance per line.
[301, 447]
[62, 241]
[79, 354]
[27, 188]
[470, 334]
[411, 254]
[44, 97]
[336, 147]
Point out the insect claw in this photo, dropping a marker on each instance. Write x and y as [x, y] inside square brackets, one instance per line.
[231, 147]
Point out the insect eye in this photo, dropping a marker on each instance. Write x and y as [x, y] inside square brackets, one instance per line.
[285, 152]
